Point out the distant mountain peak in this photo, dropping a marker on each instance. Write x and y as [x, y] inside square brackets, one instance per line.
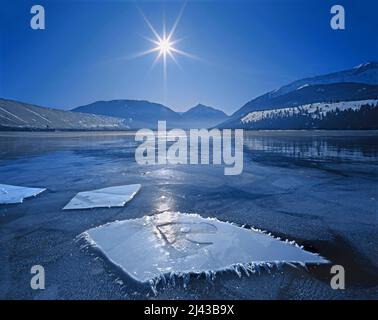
[202, 116]
[201, 108]
[200, 105]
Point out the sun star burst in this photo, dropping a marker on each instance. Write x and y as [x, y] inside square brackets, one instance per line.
[164, 44]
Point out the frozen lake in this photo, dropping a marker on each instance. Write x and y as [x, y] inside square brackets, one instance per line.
[319, 188]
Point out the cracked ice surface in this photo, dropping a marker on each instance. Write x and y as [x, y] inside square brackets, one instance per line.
[16, 194]
[177, 243]
[102, 198]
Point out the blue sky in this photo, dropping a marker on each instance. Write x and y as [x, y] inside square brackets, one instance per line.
[244, 49]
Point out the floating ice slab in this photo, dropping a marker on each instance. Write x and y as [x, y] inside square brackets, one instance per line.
[103, 198]
[16, 194]
[173, 243]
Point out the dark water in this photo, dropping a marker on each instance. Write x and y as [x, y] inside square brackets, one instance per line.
[318, 188]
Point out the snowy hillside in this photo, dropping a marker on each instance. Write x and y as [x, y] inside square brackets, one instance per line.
[16, 115]
[361, 114]
[310, 93]
[316, 110]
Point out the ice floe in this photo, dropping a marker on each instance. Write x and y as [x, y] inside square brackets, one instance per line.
[103, 198]
[173, 244]
[16, 194]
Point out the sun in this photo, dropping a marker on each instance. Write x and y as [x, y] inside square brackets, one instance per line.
[165, 46]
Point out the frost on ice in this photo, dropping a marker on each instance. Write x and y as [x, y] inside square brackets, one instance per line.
[16, 194]
[103, 198]
[173, 243]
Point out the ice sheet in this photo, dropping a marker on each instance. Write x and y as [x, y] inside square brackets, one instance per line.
[16, 194]
[173, 243]
[102, 198]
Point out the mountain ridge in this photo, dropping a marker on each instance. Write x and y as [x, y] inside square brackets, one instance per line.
[346, 82]
[146, 114]
[366, 73]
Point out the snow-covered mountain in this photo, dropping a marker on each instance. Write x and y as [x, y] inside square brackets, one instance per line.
[363, 73]
[359, 83]
[202, 116]
[332, 92]
[16, 115]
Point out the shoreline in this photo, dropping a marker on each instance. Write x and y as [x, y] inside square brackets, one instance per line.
[278, 133]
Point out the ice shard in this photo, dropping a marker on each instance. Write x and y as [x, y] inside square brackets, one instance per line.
[16, 194]
[103, 198]
[173, 243]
